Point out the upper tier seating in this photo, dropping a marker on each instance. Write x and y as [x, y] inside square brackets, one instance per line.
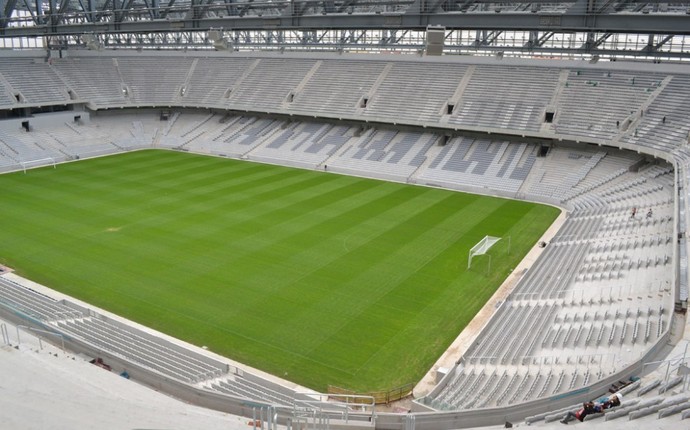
[599, 102]
[336, 88]
[32, 81]
[153, 81]
[268, 84]
[403, 96]
[79, 74]
[212, 80]
[506, 97]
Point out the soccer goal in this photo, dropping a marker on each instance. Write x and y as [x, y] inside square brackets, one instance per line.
[482, 247]
[38, 162]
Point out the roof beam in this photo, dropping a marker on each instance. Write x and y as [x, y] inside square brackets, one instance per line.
[6, 10]
[491, 21]
[591, 44]
[105, 10]
[231, 7]
[86, 9]
[535, 40]
[54, 13]
[622, 4]
[486, 38]
[33, 15]
[201, 9]
[652, 47]
[344, 5]
[164, 12]
[603, 8]
[245, 8]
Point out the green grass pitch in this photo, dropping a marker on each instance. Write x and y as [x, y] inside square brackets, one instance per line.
[316, 277]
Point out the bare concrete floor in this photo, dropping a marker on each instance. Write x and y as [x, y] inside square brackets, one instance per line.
[41, 387]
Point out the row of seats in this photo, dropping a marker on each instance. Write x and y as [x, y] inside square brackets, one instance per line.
[147, 351]
[128, 342]
[640, 108]
[34, 304]
[644, 401]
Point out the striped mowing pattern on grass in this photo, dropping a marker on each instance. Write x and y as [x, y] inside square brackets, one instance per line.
[320, 278]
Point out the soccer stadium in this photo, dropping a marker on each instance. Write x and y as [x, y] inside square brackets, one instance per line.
[357, 214]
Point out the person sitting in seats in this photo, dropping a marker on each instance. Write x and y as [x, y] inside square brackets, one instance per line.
[593, 408]
[613, 401]
[587, 408]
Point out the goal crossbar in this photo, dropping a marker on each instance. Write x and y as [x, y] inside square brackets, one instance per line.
[38, 162]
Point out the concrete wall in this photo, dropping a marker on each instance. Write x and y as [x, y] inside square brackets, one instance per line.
[45, 121]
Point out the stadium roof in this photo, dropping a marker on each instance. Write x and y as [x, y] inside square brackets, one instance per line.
[604, 28]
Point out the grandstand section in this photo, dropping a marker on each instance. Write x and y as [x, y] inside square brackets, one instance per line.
[316, 92]
[659, 399]
[502, 166]
[468, 93]
[77, 73]
[506, 97]
[601, 140]
[305, 144]
[130, 344]
[599, 299]
[38, 84]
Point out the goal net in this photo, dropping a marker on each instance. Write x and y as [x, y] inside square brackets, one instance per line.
[48, 161]
[481, 248]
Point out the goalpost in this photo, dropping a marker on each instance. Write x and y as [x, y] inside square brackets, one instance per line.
[482, 247]
[39, 162]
